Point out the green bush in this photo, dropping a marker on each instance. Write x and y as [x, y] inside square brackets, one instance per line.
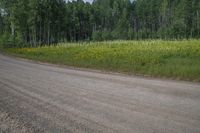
[5, 40]
[107, 35]
[97, 36]
[9, 41]
[178, 30]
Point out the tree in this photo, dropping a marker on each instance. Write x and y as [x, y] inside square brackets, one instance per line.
[40, 22]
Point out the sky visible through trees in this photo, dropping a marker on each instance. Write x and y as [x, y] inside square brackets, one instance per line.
[38, 22]
[90, 1]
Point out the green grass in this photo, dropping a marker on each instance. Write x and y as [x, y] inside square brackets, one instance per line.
[171, 59]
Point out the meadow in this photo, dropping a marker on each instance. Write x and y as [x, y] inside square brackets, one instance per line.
[156, 58]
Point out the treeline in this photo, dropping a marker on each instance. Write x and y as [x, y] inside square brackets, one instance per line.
[38, 22]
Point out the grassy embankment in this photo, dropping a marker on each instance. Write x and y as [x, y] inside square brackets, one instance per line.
[171, 59]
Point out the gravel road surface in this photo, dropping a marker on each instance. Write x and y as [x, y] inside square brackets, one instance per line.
[42, 98]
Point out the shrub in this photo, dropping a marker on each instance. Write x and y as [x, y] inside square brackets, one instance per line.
[9, 41]
[97, 36]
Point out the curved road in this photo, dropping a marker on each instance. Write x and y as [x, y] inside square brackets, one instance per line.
[45, 98]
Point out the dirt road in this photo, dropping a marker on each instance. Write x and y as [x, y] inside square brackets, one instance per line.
[45, 98]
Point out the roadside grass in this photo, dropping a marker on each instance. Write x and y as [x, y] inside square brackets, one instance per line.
[157, 58]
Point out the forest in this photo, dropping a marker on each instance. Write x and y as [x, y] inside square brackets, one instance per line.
[44, 22]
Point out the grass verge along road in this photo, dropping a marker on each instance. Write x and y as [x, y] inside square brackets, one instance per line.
[171, 59]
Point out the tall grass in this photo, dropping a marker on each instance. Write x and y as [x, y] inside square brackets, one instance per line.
[173, 59]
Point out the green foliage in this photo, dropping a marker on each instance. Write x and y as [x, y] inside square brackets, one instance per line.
[107, 35]
[131, 34]
[178, 30]
[177, 59]
[40, 22]
[5, 40]
[9, 41]
[97, 36]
